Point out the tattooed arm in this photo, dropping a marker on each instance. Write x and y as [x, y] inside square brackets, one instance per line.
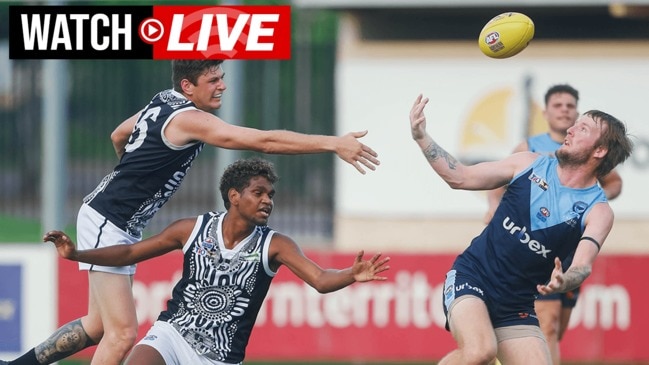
[562, 282]
[482, 176]
[598, 224]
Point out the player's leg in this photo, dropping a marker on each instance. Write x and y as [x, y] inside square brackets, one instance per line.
[114, 297]
[548, 311]
[163, 345]
[568, 302]
[111, 297]
[472, 329]
[566, 312]
[65, 341]
[144, 355]
[522, 344]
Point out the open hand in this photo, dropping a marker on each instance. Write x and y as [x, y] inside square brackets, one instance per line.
[355, 153]
[556, 280]
[367, 270]
[417, 118]
[64, 245]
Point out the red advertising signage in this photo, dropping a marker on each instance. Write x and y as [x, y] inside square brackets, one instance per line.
[400, 319]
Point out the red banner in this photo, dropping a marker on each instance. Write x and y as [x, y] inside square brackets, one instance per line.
[400, 319]
[225, 32]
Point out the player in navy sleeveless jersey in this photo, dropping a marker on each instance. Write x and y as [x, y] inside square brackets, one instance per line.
[552, 208]
[560, 112]
[156, 147]
[230, 260]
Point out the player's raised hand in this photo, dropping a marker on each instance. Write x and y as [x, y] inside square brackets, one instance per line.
[355, 153]
[367, 270]
[417, 118]
[556, 280]
[64, 245]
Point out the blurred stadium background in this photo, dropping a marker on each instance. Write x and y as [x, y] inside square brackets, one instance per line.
[356, 65]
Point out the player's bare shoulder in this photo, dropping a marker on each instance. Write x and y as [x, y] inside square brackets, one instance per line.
[190, 126]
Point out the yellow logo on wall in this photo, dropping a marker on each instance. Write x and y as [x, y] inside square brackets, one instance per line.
[486, 133]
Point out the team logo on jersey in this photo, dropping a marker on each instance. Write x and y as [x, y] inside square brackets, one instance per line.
[578, 209]
[208, 244]
[543, 214]
[539, 181]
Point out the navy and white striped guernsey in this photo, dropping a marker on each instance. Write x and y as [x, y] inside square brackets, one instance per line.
[537, 220]
[151, 169]
[215, 304]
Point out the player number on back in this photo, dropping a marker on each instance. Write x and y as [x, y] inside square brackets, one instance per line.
[140, 129]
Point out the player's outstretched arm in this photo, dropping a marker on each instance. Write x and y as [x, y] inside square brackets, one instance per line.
[284, 251]
[201, 126]
[481, 176]
[172, 238]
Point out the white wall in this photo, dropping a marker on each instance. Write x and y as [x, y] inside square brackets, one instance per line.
[375, 91]
[476, 110]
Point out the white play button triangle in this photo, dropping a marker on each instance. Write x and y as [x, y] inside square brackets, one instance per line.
[151, 30]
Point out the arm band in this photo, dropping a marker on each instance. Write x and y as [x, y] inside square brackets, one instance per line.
[591, 239]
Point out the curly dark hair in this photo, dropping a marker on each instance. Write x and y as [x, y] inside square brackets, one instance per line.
[238, 175]
[190, 70]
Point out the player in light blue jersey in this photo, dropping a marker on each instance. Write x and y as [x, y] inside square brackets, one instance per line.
[561, 102]
[553, 208]
[229, 262]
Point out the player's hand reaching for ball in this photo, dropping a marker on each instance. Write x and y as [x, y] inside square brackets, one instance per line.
[352, 151]
[418, 119]
[64, 245]
[556, 283]
[367, 270]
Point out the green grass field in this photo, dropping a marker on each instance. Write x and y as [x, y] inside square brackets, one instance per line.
[20, 230]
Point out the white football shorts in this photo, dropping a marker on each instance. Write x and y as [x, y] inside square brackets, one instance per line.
[163, 337]
[95, 231]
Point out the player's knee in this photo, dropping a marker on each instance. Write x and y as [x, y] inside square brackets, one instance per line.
[479, 355]
[550, 331]
[122, 340]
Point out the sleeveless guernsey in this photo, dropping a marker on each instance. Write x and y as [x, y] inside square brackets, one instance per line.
[215, 304]
[537, 220]
[151, 169]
